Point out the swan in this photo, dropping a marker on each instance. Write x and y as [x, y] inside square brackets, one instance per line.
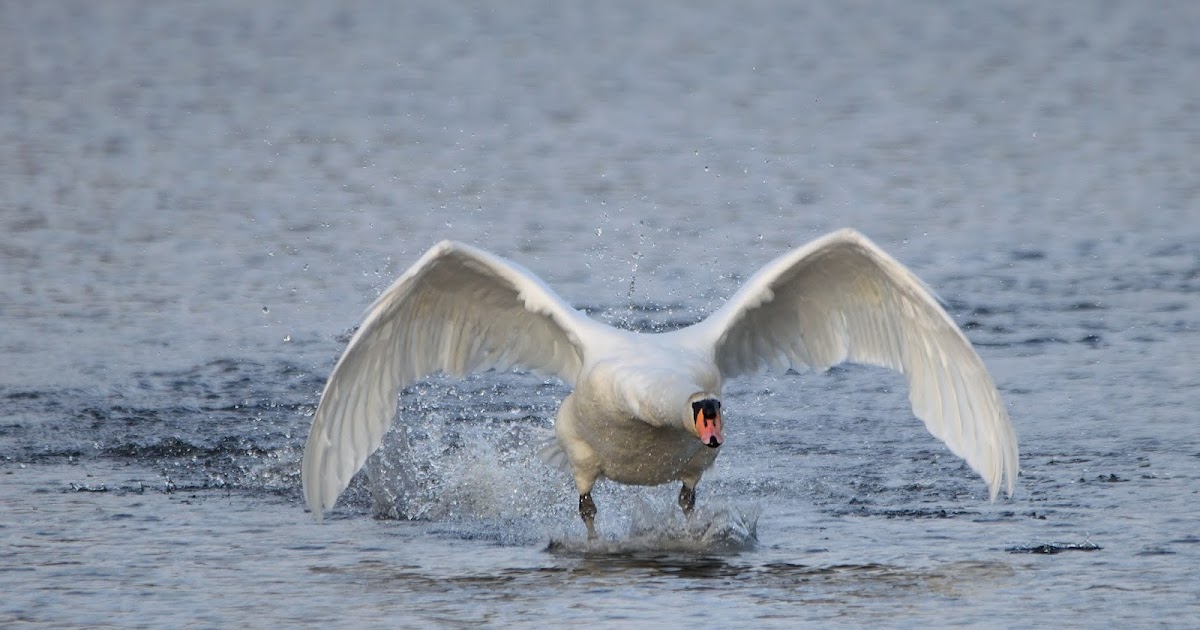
[646, 408]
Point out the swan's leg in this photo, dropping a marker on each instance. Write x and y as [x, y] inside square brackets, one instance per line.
[687, 498]
[691, 477]
[584, 480]
[585, 466]
[587, 511]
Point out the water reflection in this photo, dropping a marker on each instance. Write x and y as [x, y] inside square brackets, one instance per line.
[668, 572]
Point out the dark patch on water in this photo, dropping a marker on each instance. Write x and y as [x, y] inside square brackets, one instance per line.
[174, 448]
[1054, 548]
[21, 395]
[903, 513]
[220, 424]
[1035, 341]
[1027, 254]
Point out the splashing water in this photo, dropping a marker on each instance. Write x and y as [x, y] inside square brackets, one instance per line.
[713, 529]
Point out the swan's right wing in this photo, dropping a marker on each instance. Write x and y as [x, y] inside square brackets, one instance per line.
[458, 309]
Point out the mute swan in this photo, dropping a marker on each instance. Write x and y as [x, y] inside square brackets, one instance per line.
[646, 408]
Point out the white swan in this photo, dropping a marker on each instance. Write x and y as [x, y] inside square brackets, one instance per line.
[646, 408]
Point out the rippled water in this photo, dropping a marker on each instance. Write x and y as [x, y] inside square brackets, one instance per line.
[198, 201]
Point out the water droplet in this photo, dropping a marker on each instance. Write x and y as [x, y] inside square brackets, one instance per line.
[599, 231]
[287, 338]
[266, 310]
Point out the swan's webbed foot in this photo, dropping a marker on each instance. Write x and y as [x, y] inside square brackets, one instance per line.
[587, 511]
[687, 499]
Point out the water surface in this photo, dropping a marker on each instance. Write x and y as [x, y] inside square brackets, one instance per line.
[198, 201]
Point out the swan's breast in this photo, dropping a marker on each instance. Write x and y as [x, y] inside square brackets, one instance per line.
[633, 452]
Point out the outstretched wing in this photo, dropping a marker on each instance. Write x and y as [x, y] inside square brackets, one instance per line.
[841, 298]
[458, 310]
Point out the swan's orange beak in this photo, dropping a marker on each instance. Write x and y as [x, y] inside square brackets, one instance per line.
[708, 423]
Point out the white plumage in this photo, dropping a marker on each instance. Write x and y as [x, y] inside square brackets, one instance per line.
[642, 403]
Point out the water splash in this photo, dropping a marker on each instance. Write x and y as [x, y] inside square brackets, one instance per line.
[710, 529]
[446, 469]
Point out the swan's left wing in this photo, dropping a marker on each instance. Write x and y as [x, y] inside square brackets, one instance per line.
[458, 310]
[841, 298]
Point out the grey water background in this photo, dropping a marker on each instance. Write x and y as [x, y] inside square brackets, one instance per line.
[198, 200]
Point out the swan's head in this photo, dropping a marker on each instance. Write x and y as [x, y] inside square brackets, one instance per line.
[706, 420]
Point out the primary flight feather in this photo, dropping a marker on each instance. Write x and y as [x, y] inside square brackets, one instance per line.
[646, 408]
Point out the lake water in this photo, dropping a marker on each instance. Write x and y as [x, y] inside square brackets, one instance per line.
[197, 201]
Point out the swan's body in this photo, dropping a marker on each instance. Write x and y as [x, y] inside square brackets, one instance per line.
[646, 407]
